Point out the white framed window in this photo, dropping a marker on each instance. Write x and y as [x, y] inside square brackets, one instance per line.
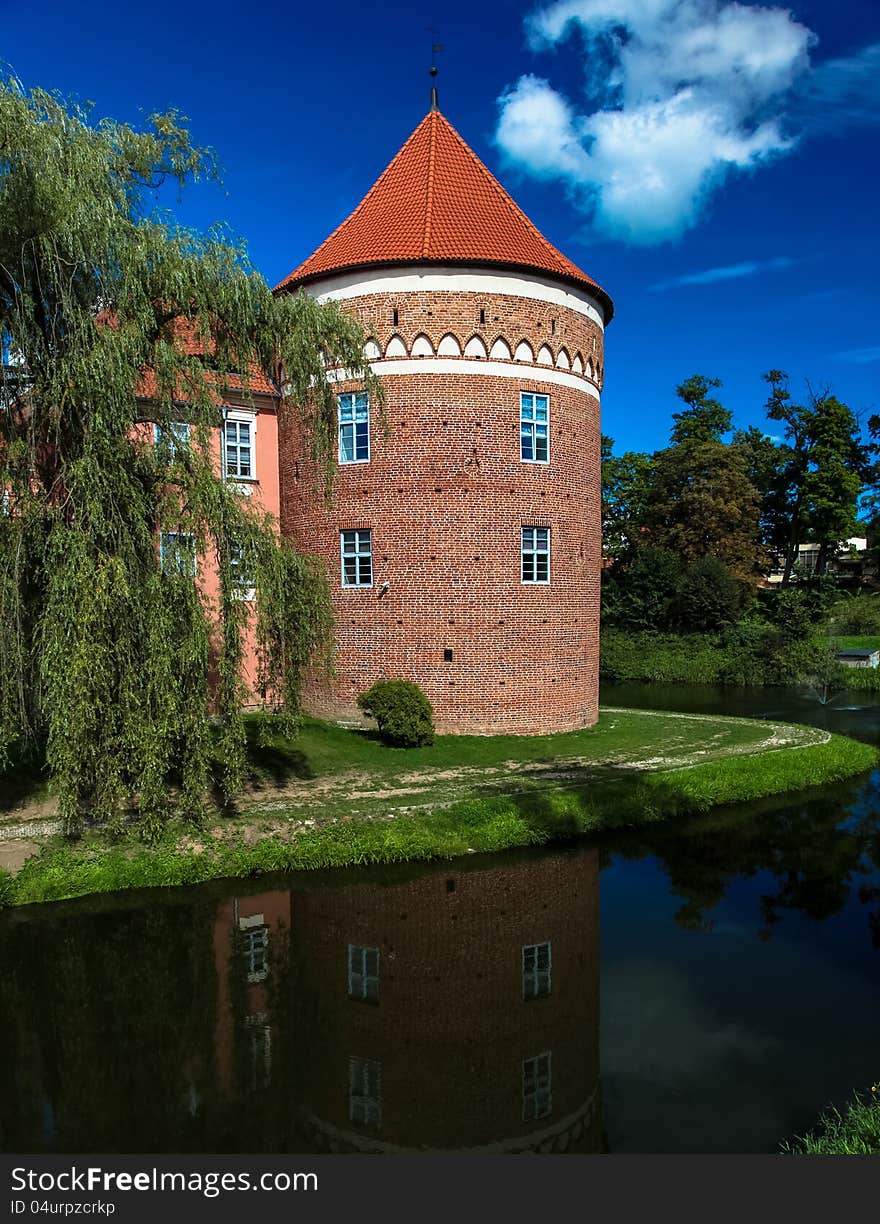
[365, 1091]
[537, 1087]
[354, 427]
[177, 553]
[175, 437]
[256, 953]
[536, 554]
[363, 973]
[239, 436]
[244, 583]
[534, 427]
[536, 970]
[356, 548]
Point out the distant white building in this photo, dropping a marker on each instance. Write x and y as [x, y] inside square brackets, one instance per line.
[808, 555]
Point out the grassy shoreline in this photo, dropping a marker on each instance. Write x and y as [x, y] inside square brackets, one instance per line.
[478, 800]
[854, 1132]
[651, 657]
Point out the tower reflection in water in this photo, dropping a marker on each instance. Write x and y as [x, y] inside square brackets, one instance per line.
[451, 1011]
[433, 1008]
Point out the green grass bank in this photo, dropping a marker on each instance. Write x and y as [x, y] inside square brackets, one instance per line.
[854, 1132]
[338, 798]
[736, 657]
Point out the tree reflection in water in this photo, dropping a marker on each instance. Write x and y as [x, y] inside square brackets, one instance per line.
[422, 1009]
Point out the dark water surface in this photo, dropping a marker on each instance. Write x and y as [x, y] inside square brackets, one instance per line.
[457, 1005]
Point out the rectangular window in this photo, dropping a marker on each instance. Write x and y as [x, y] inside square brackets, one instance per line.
[177, 553]
[354, 428]
[536, 554]
[363, 973]
[536, 966]
[256, 953]
[175, 437]
[243, 579]
[238, 447]
[534, 434]
[537, 1087]
[365, 1092]
[357, 558]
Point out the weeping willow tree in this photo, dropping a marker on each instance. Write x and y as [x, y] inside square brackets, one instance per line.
[116, 323]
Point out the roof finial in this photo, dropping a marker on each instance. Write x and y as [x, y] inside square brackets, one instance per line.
[435, 47]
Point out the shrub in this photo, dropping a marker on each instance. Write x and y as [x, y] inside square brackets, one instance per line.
[643, 594]
[6, 887]
[857, 615]
[710, 596]
[402, 710]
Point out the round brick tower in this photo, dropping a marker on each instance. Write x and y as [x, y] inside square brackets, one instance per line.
[463, 536]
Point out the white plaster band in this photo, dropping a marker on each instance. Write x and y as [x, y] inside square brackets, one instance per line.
[465, 365]
[435, 279]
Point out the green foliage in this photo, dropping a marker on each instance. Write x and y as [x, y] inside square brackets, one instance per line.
[750, 652]
[7, 888]
[794, 611]
[820, 669]
[855, 1132]
[402, 710]
[477, 823]
[655, 590]
[695, 658]
[626, 492]
[856, 614]
[704, 419]
[703, 504]
[823, 464]
[643, 594]
[710, 596]
[106, 661]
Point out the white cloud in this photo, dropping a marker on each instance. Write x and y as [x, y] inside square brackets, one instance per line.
[679, 94]
[709, 276]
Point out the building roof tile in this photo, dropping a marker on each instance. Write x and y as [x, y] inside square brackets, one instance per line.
[437, 203]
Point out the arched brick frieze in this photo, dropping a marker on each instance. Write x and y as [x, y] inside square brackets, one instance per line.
[396, 347]
[475, 347]
[422, 346]
[449, 346]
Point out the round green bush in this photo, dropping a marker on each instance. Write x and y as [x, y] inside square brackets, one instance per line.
[403, 712]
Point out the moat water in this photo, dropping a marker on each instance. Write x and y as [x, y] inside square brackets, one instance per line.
[707, 987]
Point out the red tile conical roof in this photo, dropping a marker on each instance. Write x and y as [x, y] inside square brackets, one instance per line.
[437, 203]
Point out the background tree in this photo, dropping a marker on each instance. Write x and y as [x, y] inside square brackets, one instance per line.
[824, 465]
[704, 419]
[704, 505]
[105, 659]
[643, 593]
[626, 491]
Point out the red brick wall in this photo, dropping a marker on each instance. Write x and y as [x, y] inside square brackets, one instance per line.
[446, 495]
[511, 318]
[451, 1027]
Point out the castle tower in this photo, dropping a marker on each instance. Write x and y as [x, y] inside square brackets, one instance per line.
[463, 536]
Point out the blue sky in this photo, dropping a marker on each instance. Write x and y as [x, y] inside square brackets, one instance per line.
[714, 165]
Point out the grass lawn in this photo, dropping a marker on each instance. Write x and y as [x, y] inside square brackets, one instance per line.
[338, 797]
[855, 643]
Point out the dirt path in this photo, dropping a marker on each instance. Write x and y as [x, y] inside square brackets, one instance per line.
[531, 775]
[305, 803]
